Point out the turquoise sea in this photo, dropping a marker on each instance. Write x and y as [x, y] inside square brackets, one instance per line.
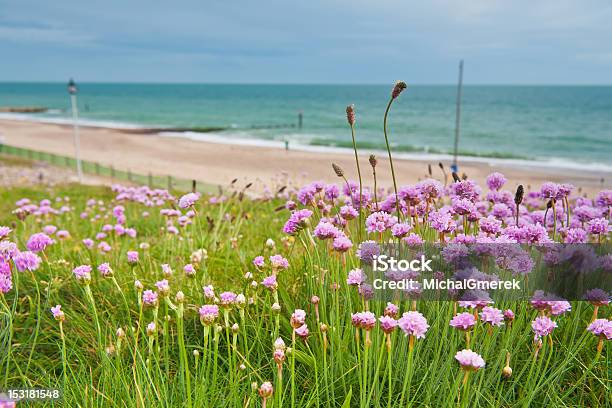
[556, 125]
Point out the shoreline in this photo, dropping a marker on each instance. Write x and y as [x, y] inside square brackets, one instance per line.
[219, 135]
[218, 160]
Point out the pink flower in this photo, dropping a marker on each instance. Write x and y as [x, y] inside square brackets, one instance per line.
[387, 324]
[4, 232]
[208, 314]
[298, 318]
[391, 310]
[6, 279]
[270, 282]
[166, 269]
[209, 292]
[189, 270]
[469, 360]
[149, 298]
[380, 221]
[601, 328]
[163, 287]
[297, 220]
[82, 273]
[57, 313]
[597, 297]
[227, 298]
[492, 316]
[278, 262]
[132, 257]
[559, 307]
[355, 277]
[302, 331]
[598, 226]
[400, 230]
[542, 326]
[364, 320]
[26, 261]
[413, 240]
[463, 321]
[495, 181]
[413, 324]
[342, 243]
[49, 229]
[38, 242]
[105, 269]
[188, 200]
[259, 261]
[325, 230]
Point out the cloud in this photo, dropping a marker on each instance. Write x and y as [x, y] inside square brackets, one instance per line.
[312, 41]
[44, 35]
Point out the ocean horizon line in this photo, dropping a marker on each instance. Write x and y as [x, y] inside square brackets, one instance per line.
[449, 84]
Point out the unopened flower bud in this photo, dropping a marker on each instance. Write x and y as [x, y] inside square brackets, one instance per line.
[276, 307]
[235, 328]
[120, 333]
[398, 88]
[507, 372]
[373, 161]
[180, 297]
[196, 353]
[350, 115]
[279, 356]
[270, 243]
[266, 390]
[338, 170]
[279, 344]
[138, 285]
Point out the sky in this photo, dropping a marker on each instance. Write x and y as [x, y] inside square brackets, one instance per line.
[313, 41]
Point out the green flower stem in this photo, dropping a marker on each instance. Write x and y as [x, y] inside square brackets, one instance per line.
[183, 352]
[397, 206]
[360, 182]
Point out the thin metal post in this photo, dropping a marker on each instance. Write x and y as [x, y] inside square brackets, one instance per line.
[77, 137]
[454, 166]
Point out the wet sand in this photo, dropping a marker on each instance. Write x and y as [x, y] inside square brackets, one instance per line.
[219, 163]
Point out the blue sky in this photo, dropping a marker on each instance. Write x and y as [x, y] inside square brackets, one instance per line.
[314, 41]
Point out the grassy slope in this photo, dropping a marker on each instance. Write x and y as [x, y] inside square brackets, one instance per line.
[152, 372]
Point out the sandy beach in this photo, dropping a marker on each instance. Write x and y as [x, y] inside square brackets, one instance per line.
[218, 163]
